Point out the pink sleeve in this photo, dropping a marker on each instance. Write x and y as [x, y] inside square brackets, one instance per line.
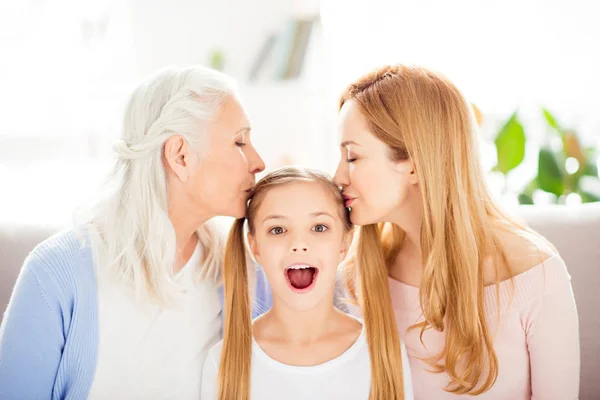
[553, 342]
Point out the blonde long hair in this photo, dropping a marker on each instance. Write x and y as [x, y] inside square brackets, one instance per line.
[422, 117]
[384, 344]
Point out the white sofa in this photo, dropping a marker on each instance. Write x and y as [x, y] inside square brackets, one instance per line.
[575, 231]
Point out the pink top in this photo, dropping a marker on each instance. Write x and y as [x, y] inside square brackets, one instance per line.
[537, 343]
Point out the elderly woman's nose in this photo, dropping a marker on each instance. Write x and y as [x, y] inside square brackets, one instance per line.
[256, 162]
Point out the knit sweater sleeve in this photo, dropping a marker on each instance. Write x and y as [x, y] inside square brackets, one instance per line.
[31, 335]
[263, 299]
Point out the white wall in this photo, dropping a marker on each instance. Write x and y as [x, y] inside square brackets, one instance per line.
[502, 55]
[287, 116]
[187, 30]
[63, 96]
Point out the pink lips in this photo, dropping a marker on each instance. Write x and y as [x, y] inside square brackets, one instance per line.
[348, 200]
[306, 289]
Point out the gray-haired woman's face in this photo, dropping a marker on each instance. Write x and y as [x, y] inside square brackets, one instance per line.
[228, 169]
[221, 178]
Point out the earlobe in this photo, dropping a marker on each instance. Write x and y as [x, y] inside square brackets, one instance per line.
[253, 247]
[346, 245]
[413, 177]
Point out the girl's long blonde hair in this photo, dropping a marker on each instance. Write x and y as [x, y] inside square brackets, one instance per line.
[384, 344]
[422, 117]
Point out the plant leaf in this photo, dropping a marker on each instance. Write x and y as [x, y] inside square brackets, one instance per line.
[478, 114]
[552, 121]
[589, 197]
[550, 174]
[525, 199]
[572, 147]
[590, 152]
[510, 145]
[590, 170]
[531, 187]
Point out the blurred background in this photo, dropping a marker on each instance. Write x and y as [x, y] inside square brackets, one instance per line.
[528, 67]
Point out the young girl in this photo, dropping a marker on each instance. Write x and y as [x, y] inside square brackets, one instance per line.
[298, 230]
[484, 305]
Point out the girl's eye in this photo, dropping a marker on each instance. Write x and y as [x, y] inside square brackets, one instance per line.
[350, 160]
[277, 230]
[240, 144]
[320, 228]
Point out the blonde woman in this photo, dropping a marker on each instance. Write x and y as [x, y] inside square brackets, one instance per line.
[303, 348]
[483, 304]
[128, 307]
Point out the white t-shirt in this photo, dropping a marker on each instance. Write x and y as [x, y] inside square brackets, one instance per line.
[155, 352]
[346, 377]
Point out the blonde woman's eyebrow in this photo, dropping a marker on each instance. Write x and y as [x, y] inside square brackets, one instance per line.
[348, 142]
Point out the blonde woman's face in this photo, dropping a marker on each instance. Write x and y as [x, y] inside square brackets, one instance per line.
[299, 239]
[374, 186]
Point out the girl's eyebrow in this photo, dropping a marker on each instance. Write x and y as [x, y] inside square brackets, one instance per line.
[273, 216]
[315, 214]
[321, 213]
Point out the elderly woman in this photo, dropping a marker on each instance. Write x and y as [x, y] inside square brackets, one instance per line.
[128, 303]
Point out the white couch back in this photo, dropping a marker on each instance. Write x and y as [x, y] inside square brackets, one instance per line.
[575, 231]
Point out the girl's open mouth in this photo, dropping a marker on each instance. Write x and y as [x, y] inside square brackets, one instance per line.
[301, 277]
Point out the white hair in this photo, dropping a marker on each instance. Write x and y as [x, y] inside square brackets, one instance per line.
[136, 237]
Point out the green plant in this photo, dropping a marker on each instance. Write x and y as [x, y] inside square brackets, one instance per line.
[217, 60]
[569, 169]
[510, 145]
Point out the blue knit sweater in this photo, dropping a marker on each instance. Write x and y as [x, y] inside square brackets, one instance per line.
[49, 335]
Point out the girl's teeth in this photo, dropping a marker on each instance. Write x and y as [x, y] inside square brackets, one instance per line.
[300, 267]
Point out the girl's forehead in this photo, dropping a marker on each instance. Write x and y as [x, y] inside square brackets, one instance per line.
[297, 199]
